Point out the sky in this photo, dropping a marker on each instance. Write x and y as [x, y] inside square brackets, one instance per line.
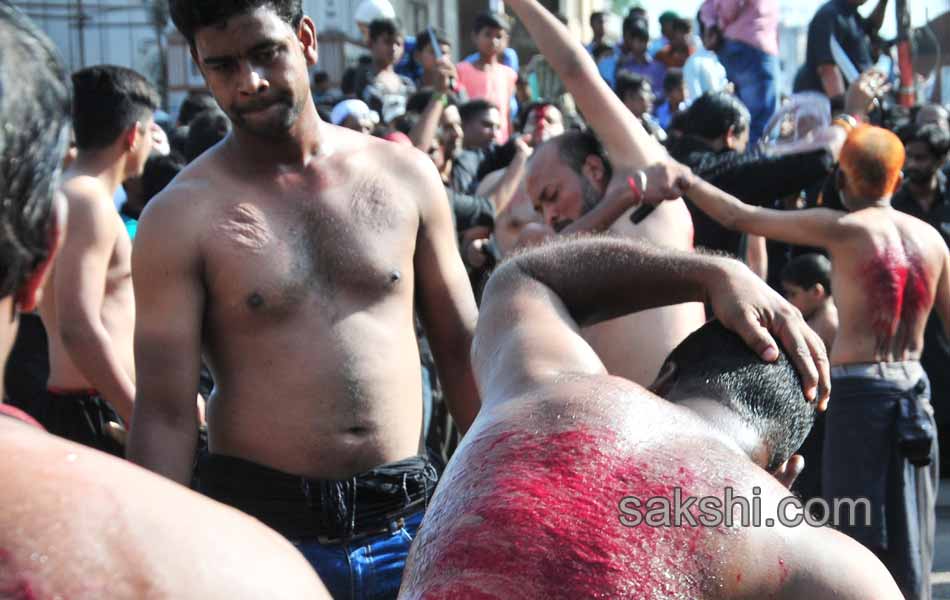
[795, 12]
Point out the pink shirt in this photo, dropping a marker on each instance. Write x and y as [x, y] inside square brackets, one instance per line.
[495, 84]
[754, 22]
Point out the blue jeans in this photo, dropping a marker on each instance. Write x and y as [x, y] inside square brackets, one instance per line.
[754, 73]
[368, 569]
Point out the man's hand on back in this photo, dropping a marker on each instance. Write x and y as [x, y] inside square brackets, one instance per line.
[749, 307]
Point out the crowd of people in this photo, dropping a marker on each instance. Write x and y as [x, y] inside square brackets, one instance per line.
[453, 329]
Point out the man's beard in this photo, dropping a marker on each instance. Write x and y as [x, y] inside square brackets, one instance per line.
[590, 198]
[275, 127]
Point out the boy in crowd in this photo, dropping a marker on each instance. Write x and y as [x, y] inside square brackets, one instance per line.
[806, 281]
[487, 78]
[637, 94]
[680, 47]
[674, 94]
[384, 90]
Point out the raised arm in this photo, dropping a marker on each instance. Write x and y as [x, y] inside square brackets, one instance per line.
[80, 284]
[170, 301]
[620, 131]
[820, 227]
[534, 306]
[445, 300]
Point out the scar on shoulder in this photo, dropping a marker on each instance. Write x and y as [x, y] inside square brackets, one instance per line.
[246, 227]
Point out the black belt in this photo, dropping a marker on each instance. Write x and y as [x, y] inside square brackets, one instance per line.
[331, 511]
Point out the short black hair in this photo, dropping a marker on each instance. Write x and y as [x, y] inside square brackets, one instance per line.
[159, 172]
[807, 270]
[636, 27]
[490, 19]
[715, 363]
[629, 83]
[597, 15]
[711, 115]
[682, 25]
[321, 77]
[380, 27]
[473, 108]
[418, 102]
[193, 105]
[107, 101]
[35, 107]
[208, 128]
[672, 79]
[933, 136]
[575, 146]
[423, 41]
[191, 15]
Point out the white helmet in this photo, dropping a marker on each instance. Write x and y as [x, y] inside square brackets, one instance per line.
[370, 10]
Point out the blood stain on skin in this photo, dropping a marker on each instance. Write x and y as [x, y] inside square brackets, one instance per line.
[897, 288]
[541, 520]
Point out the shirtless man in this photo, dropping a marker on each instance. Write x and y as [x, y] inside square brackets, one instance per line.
[77, 523]
[540, 499]
[297, 272]
[88, 308]
[890, 270]
[570, 176]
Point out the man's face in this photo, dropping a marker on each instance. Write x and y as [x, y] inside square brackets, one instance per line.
[559, 193]
[597, 25]
[452, 134]
[738, 141]
[543, 123]
[491, 41]
[145, 140]
[635, 44]
[427, 58]
[256, 67]
[807, 301]
[919, 164]
[679, 38]
[640, 103]
[482, 129]
[387, 49]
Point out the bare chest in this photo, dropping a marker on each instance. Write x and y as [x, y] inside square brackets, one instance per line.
[270, 257]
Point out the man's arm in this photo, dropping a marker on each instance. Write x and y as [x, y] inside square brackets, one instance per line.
[445, 299]
[876, 19]
[80, 280]
[170, 300]
[623, 136]
[535, 304]
[424, 131]
[820, 227]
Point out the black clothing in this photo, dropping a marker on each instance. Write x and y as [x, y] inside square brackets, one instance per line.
[301, 508]
[753, 177]
[836, 23]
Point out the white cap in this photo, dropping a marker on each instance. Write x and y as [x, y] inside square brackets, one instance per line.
[356, 108]
[370, 10]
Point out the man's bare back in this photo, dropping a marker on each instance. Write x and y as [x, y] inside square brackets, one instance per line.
[93, 273]
[885, 279]
[529, 508]
[82, 525]
[307, 288]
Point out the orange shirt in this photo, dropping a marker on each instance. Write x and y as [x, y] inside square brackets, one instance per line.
[495, 84]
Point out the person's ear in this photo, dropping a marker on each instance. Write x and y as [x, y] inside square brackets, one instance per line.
[788, 471]
[898, 182]
[818, 290]
[731, 137]
[594, 170]
[307, 35]
[31, 292]
[663, 383]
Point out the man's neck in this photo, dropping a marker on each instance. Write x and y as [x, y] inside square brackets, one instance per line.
[384, 67]
[486, 61]
[305, 140]
[732, 430]
[107, 165]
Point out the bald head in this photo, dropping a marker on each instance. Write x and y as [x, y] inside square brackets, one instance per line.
[871, 162]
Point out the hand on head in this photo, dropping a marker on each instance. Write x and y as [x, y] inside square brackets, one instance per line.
[749, 307]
